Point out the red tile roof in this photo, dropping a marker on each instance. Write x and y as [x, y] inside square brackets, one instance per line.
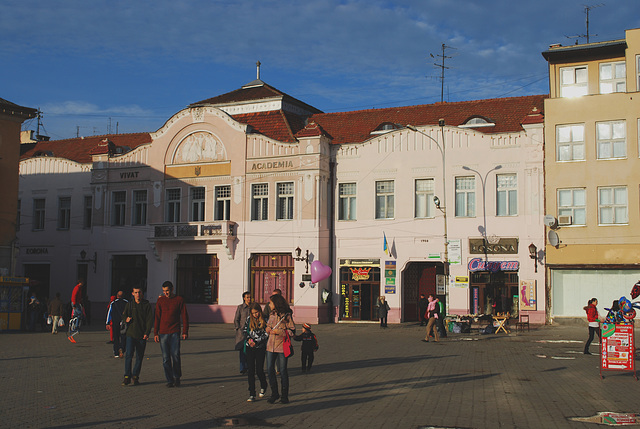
[508, 114]
[276, 124]
[80, 149]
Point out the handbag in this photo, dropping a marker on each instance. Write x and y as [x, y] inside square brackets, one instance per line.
[60, 322]
[287, 347]
[123, 327]
[49, 320]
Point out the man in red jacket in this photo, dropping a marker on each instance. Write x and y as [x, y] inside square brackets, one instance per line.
[170, 309]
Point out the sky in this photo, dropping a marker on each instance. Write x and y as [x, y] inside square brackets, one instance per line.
[106, 66]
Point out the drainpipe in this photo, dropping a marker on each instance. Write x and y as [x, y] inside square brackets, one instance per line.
[332, 234]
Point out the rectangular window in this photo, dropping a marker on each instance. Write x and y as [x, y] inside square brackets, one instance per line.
[507, 194]
[118, 207]
[570, 142]
[612, 205]
[38, 214]
[260, 201]
[197, 204]
[347, 201]
[87, 212]
[611, 139]
[384, 199]
[573, 202]
[465, 196]
[284, 210]
[613, 77]
[64, 212]
[424, 198]
[172, 213]
[139, 208]
[573, 81]
[223, 203]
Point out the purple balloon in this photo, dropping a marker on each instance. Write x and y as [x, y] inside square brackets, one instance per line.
[319, 271]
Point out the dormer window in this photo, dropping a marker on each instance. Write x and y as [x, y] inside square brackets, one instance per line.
[43, 153]
[478, 122]
[385, 127]
[120, 150]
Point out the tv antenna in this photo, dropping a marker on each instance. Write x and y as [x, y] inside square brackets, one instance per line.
[442, 68]
[587, 9]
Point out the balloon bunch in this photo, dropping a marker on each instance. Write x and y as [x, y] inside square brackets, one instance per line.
[623, 314]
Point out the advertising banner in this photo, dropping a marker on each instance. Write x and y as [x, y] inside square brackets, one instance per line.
[617, 349]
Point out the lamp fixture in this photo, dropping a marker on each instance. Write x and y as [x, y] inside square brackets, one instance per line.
[533, 254]
[83, 258]
[436, 201]
[304, 258]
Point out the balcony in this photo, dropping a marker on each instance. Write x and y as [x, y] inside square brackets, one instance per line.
[219, 232]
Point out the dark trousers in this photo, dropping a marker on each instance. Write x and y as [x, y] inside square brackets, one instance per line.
[170, 346]
[383, 321]
[137, 346]
[255, 362]
[592, 332]
[423, 319]
[284, 374]
[243, 360]
[307, 360]
[119, 340]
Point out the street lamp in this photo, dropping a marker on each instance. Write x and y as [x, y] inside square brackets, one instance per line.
[483, 181]
[533, 254]
[302, 258]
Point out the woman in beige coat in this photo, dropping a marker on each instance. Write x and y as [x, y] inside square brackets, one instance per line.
[280, 323]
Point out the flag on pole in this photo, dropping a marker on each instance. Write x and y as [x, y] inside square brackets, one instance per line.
[386, 246]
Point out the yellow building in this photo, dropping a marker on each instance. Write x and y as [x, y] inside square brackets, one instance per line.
[592, 173]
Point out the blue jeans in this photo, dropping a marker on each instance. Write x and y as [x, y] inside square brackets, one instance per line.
[284, 374]
[138, 346]
[170, 346]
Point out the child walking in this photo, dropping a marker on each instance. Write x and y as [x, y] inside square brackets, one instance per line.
[309, 346]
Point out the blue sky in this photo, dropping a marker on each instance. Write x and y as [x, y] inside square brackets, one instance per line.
[136, 63]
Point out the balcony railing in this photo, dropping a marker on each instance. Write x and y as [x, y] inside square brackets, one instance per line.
[194, 231]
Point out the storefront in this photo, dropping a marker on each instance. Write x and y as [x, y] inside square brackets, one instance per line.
[359, 289]
[493, 286]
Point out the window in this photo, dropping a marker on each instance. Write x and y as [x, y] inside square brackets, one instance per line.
[507, 195]
[573, 81]
[223, 203]
[611, 138]
[139, 208]
[284, 210]
[173, 205]
[347, 201]
[613, 77]
[87, 212]
[384, 199]
[638, 72]
[570, 142]
[259, 201]
[38, 214]
[424, 198]
[572, 202]
[465, 196]
[197, 204]
[118, 207]
[64, 212]
[18, 215]
[612, 205]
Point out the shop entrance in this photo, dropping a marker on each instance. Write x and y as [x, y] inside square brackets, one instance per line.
[359, 292]
[493, 293]
[420, 278]
[197, 278]
[127, 272]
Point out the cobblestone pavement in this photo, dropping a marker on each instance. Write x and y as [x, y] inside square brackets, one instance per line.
[363, 377]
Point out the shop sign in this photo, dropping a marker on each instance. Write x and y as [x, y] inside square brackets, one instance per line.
[455, 252]
[390, 280]
[617, 350]
[359, 262]
[389, 290]
[271, 165]
[358, 274]
[37, 251]
[505, 246]
[478, 264]
[129, 175]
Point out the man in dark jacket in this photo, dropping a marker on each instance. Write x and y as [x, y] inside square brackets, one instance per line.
[138, 315]
[114, 317]
[55, 311]
[242, 312]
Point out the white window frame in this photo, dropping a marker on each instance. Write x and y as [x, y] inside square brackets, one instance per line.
[385, 199]
[222, 210]
[616, 77]
[173, 197]
[260, 201]
[423, 200]
[507, 194]
[574, 81]
[570, 145]
[614, 201]
[572, 202]
[64, 213]
[611, 139]
[118, 208]
[465, 196]
[285, 192]
[198, 203]
[347, 201]
[139, 212]
[39, 213]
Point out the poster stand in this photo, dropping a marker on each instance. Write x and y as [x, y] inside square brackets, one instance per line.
[617, 349]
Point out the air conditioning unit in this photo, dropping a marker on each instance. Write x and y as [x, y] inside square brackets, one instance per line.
[565, 220]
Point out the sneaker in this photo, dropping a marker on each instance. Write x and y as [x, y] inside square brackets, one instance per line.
[126, 381]
[261, 393]
[251, 399]
[136, 382]
[116, 356]
[176, 382]
[120, 353]
[71, 339]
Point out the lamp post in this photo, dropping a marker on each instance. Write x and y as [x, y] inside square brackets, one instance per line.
[442, 207]
[483, 181]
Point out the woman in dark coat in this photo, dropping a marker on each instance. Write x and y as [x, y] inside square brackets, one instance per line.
[383, 310]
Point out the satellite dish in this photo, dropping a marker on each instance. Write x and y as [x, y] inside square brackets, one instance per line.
[554, 240]
[550, 221]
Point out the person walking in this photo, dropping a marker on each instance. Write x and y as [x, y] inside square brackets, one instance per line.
[55, 311]
[594, 323]
[432, 314]
[242, 312]
[422, 309]
[170, 310]
[383, 311]
[255, 349]
[114, 317]
[138, 315]
[280, 324]
[309, 346]
[77, 311]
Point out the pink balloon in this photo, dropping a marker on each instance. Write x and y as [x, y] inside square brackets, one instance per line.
[319, 271]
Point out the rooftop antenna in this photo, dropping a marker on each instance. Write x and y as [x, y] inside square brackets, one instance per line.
[442, 68]
[258, 70]
[587, 9]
